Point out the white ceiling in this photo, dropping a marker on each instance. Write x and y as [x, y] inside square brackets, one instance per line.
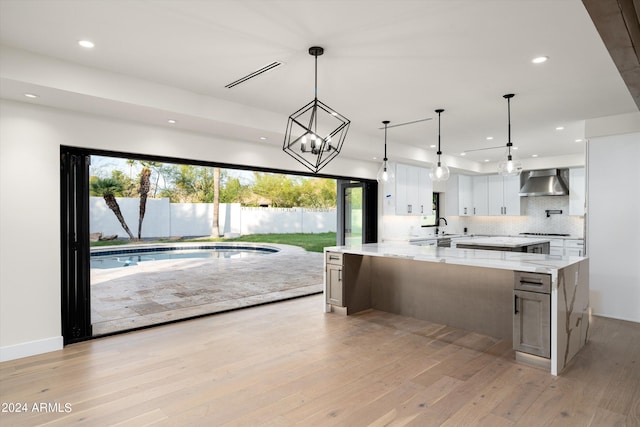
[394, 60]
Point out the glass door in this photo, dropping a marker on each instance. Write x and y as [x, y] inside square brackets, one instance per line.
[357, 212]
[353, 215]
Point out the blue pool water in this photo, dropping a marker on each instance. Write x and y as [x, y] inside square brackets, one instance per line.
[117, 258]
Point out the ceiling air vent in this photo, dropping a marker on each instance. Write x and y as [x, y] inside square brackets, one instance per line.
[256, 73]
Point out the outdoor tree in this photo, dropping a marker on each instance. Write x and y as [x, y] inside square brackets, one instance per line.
[279, 189]
[232, 190]
[215, 223]
[145, 186]
[287, 191]
[128, 186]
[108, 188]
[317, 193]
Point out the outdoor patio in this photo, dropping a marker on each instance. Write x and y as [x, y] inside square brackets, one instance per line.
[162, 291]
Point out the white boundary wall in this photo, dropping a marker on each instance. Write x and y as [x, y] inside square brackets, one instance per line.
[164, 219]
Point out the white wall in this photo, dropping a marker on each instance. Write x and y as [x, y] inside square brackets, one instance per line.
[30, 140]
[165, 219]
[287, 220]
[613, 225]
[156, 223]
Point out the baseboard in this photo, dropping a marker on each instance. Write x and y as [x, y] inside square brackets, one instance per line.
[608, 316]
[30, 348]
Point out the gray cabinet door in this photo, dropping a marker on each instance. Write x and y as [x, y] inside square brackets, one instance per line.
[532, 323]
[335, 291]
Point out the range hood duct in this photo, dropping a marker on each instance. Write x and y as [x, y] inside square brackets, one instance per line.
[548, 182]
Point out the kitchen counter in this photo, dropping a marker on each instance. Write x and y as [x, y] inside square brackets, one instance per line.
[513, 261]
[464, 288]
[507, 242]
[515, 244]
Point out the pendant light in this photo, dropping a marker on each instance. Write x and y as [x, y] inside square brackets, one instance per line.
[441, 171]
[315, 133]
[386, 173]
[509, 167]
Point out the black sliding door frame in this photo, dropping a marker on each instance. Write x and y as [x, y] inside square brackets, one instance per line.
[74, 238]
[369, 209]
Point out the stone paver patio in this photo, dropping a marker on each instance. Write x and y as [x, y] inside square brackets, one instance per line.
[166, 290]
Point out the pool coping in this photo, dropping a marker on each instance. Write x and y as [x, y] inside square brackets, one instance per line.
[278, 248]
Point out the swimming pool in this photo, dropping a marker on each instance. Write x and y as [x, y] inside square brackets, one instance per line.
[125, 257]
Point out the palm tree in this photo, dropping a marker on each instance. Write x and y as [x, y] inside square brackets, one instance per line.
[145, 186]
[107, 188]
[215, 226]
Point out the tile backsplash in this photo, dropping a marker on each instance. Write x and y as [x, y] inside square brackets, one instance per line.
[533, 220]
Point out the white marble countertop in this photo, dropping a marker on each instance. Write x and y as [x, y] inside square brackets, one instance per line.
[516, 261]
[460, 237]
[506, 242]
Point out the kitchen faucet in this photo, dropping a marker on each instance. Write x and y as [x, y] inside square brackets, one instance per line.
[438, 223]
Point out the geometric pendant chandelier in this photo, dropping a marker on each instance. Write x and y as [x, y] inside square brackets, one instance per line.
[315, 133]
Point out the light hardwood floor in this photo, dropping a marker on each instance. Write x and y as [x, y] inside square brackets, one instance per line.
[290, 364]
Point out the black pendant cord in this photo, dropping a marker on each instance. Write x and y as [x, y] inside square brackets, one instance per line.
[315, 89]
[315, 51]
[385, 122]
[509, 143]
[439, 153]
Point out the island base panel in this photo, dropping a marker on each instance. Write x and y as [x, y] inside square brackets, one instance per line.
[473, 298]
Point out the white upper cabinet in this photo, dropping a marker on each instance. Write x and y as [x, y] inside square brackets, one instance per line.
[511, 197]
[482, 195]
[577, 191]
[503, 195]
[480, 199]
[425, 192]
[466, 195]
[414, 190]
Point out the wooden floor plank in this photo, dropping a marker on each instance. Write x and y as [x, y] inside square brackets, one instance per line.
[291, 364]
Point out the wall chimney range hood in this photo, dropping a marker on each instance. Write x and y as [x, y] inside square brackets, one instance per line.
[547, 182]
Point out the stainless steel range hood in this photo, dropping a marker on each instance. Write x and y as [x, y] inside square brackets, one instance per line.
[547, 182]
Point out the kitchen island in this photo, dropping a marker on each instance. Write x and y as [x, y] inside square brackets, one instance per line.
[513, 244]
[475, 290]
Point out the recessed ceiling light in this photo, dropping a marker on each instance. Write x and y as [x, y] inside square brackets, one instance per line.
[173, 122]
[578, 140]
[263, 138]
[375, 158]
[560, 128]
[30, 95]
[534, 155]
[86, 44]
[432, 146]
[540, 59]
[514, 148]
[486, 160]
[489, 138]
[463, 154]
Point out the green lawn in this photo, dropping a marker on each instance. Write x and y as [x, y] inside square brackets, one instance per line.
[312, 242]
